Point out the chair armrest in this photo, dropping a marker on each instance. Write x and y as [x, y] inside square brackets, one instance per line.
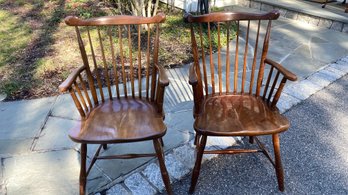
[287, 74]
[197, 91]
[162, 76]
[163, 82]
[192, 75]
[66, 85]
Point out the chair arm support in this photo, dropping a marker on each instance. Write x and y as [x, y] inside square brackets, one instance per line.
[287, 74]
[197, 91]
[162, 76]
[163, 82]
[192, 75]
[66, 85]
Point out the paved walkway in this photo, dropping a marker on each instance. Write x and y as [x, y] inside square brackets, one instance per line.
[314, 153]
[331, 17]
[38, 158]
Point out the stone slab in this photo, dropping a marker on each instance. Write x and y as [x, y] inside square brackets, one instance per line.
[328, 52]
[312, 9]
[330, 75]
[186, 155]
[337, 72]
[222, 142]
[54, 135]
[302, 90]
[322, 78]
[23, 119]
[15, 146]
[174, 138]
[301, 63]
[286, 102]
[175, 168]
[138, 185]
[153, 174]
[42, 173]
[182, 121]
[65, 108]
[341, 65]
[117, 189]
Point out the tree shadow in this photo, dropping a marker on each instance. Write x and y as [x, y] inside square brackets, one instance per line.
[25, 64]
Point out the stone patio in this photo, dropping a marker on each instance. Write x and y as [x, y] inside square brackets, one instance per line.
[37, 157]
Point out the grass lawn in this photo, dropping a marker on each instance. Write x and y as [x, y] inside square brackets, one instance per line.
[38, 50]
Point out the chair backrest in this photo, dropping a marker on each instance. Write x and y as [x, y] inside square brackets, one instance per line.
[244, 63]
[119, 54]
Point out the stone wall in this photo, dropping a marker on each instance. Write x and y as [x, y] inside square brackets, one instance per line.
[191, 5]
[288, 13]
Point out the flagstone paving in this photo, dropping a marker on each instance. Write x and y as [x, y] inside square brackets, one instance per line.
[37, 156]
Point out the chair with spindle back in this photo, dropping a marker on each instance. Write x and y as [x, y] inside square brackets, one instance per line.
[119, 89]
[228, 98]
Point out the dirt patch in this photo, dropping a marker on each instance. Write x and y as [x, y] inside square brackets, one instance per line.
[35, 66]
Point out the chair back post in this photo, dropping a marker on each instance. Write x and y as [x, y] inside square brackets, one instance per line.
[263, 57]
[155, 62]
[195, 60]
[117, 58]
[86, 64]
[211, 40]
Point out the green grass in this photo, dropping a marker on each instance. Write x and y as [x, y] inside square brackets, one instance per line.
[38, 51]
[14, 36]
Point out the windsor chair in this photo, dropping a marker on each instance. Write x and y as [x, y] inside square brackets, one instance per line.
[232, 103]
[118, 90]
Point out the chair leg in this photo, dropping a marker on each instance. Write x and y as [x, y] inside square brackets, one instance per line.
[165, 177]
[83, 176]
[162, 143]
[196, 139]
[196, 169]
[278, 162]
[105, 146]
[251, 139]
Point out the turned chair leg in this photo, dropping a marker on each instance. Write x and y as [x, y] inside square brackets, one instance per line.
[278, 162]
[159, 152]
[105, 146]
[200, 149]
[196, 139]
[83, 177]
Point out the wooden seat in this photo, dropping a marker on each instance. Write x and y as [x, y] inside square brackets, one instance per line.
[238, 115]
[237, 95]
[119, 89]
[121, 120]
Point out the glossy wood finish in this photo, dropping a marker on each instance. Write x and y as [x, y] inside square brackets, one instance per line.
[238, 115]
[120, 120]
[241, 102]
[114, 102]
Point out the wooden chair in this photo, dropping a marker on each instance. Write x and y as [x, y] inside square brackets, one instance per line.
[119, 89]
[225, 106]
